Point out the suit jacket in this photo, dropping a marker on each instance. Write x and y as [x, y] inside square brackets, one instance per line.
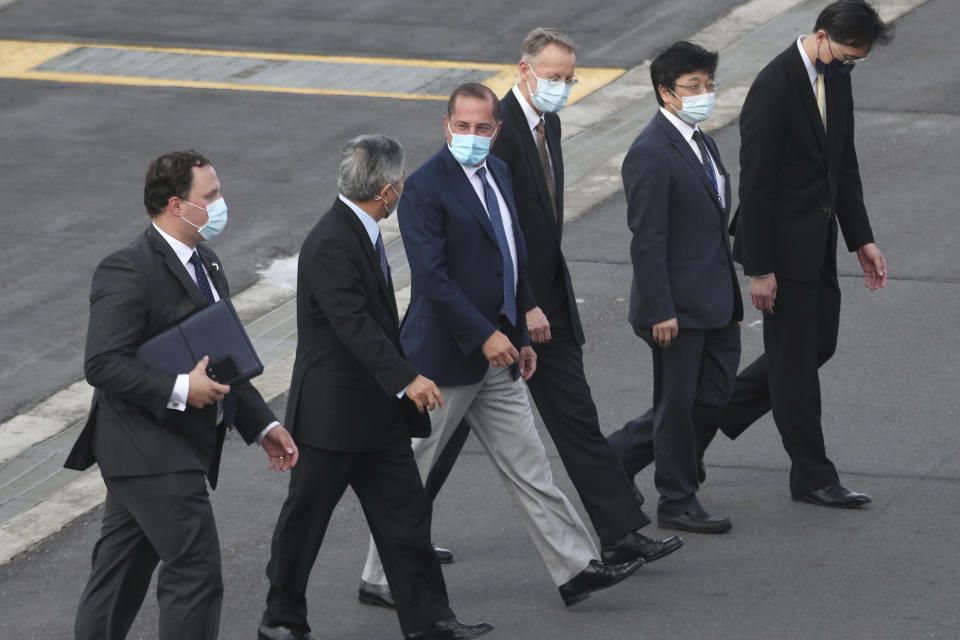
[349, 365]
[681, 253]
[456, 270]
[797, 179]
[138, 292]
[542, 225]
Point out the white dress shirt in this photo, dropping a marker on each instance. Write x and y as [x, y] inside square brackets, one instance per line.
[811, 68]
[687, 132]
[181, 388]
[504, 211]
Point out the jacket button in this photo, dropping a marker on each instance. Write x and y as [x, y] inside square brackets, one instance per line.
[825, 208]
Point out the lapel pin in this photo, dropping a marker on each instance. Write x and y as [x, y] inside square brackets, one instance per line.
[216, 267]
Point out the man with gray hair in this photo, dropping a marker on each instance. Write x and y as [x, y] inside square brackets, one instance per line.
[355, 402]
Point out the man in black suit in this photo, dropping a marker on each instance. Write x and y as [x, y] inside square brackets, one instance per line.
[156, 435]
[351, 410]
[685, 299]
[529, 142]
[799, 179]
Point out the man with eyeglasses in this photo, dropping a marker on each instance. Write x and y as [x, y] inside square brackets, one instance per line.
[685, 299]
[799, 181]
[466, 329]
[529, 143]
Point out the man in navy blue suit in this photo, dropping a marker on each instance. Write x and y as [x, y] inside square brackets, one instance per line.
[466, 329]
[685, 299]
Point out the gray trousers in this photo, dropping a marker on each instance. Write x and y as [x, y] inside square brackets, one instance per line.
[498, 411]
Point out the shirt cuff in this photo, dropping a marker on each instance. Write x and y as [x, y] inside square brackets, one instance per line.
[402, 391]
[263, 434]
[181, 389]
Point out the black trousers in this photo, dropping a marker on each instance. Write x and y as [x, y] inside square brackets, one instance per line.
[560, 390]
[798, 338]
[147, 519]
[387, 483]
[692, 380]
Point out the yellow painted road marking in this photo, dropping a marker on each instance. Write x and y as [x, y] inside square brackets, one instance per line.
[19, 60]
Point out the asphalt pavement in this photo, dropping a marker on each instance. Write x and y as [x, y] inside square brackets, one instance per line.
[787, 570]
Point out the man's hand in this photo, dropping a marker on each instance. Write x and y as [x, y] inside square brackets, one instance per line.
[528, 362]
[664, 332]
[874, 266]
[424, 393]
[538, 325]
[499, 351]
[204, 391]
[280, 448]
[763, 291]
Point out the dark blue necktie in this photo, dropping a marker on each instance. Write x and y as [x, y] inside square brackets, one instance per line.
[493, 210]
[382, 254]
[707, 164]
[229, 404]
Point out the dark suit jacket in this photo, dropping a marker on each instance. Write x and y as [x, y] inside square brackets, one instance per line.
[542, 226]
[456, 270]
[680, 249]
[349, 366]
[794, 175]
[138, 292]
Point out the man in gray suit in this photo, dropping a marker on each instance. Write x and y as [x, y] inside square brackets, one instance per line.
[685, 299]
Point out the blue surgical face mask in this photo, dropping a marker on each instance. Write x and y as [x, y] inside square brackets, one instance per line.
[469, 150]
[550, 96]
[216, 218]
[696, 108]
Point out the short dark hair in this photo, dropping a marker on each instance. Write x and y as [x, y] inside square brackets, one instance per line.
[678, 59]
[170, 175]
[854, 23]
[474, 90]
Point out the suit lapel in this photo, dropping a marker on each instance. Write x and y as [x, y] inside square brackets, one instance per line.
[715, 154]
[798, 74]
[461, 187]
[176, 267]
[213, 268]
[532, 155]
[683, 148]
[368, 249]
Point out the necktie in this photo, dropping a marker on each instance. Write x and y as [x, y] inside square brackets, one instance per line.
[229, 404]
[493, 210]
[382, 254]
[705, 158]
[822, 99]
[545, 163]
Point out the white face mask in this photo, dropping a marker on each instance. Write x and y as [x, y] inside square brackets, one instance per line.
[696, 108]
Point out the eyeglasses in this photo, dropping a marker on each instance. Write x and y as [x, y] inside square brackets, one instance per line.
[556, 81]
[844, 60]
[700, 88]
[465, 128]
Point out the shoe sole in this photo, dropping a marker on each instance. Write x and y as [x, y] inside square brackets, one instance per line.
[832, 505]
[374, 601]
[680, 527]
[580, 597]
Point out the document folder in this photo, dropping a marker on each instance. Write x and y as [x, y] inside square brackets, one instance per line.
[213, 331]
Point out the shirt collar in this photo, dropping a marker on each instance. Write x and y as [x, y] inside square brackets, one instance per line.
[685, 129]
[471, 171]
[184, 253]
[533, 118]
[365, 218]
[811, 69]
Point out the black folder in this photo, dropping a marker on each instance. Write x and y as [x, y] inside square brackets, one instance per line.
[214, 331]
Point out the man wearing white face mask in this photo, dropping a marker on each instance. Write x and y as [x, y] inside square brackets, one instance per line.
[529, 143]
[157, 436]
[685, 299]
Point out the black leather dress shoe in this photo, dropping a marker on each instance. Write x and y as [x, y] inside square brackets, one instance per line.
[450, 629]
[696, 521]
[375, 595]
[280, 633]
[598, 575]
[444, 556]
[636, 545]
[835, 495]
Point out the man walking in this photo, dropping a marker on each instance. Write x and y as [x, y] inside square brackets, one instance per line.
[685, 299]
[351, 410]
[799, 182]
